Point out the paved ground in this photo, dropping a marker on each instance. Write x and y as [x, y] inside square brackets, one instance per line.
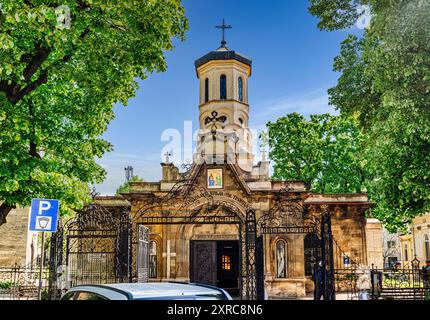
[339, 296]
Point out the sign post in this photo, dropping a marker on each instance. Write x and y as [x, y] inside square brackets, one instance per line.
[42, 260]
[43, 218]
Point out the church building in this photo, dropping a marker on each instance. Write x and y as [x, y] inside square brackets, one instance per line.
[197, 218]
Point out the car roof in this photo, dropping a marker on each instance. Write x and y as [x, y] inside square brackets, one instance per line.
[153, 290]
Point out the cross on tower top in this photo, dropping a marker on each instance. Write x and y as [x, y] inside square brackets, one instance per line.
[223, 27]
[167, 155]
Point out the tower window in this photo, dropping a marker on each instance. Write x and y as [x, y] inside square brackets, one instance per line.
[223, 87]
[206, 90]
[240, 88]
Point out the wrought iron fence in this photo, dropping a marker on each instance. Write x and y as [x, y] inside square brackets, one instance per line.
[408, 283]
[400, 283]
[22, 282]
[346, 282]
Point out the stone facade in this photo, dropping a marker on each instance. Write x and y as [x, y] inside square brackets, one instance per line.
[196, 218]
[17, 244]
[416, 242]
[355, 235]
[374, 243]
[391, 248]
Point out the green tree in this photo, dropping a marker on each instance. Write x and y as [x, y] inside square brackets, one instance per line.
[324, 152]
[125, 187]
[58, 84]
[385, 82]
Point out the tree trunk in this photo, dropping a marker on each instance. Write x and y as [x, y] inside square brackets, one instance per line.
[4, 211]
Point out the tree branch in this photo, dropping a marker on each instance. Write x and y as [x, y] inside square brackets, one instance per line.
[5, 87]
[4, 211]
[82, 5]
[43, 78]
[35, 63]
[13, 91]
[29, 3]
[33, 147]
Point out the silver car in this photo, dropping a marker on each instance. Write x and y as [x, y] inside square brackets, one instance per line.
[146, 291]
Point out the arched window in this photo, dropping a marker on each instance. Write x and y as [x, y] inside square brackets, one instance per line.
[427, 246]
[206, 90]
[152, 259]
[281, 259]
[241, 122]
[223, 87]
[240, 88]
[312, 252]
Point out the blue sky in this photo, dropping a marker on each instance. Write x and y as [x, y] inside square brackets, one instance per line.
[292, 70]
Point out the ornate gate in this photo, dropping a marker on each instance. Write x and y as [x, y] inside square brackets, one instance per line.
[327, 257]
[259, 266]
[91, 248]
[251, 256]
[142, 254]
[289, 216]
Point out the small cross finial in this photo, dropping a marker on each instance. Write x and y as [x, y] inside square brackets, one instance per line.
[223, 27]
[263, 153]
[167, 155]
[128, 173]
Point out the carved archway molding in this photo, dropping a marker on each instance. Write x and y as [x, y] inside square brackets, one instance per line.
[211, 208]
[198, 207]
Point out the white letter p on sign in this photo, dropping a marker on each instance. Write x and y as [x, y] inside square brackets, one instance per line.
[44, 206]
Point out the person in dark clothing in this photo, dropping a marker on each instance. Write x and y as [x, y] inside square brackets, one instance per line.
[426, 275]
[317, 278]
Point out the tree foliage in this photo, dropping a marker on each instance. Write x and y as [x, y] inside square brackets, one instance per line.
[58, 84]
[125, 187]
[324, 152]
[385, 82]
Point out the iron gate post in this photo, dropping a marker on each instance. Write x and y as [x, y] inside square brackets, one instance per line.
[327, 256]
[250, 252]
[55, 261]
[123, 248]
[259, 266]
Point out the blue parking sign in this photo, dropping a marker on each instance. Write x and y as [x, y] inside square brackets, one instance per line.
[44, 215]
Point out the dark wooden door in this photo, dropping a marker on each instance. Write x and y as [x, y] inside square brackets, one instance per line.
[203, 262]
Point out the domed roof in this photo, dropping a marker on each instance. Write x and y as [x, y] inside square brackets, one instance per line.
[222, 53]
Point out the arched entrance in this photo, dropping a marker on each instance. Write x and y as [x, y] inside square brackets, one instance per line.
[224, 262]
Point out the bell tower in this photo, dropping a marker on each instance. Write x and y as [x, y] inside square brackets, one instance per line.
[223, 107]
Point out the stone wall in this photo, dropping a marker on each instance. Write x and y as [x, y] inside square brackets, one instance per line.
[13, 238]
[350, 237]
[374, 243]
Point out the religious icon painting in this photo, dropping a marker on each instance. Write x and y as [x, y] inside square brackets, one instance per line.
[214, 179]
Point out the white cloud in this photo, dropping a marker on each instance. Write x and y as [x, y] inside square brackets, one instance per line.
[313, 102]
